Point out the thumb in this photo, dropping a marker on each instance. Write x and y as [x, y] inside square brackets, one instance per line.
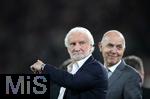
[39, 61]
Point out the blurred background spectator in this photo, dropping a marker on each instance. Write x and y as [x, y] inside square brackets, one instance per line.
[31, 29]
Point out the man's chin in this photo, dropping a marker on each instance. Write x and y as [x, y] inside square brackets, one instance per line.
[112, 62]
[77, 58]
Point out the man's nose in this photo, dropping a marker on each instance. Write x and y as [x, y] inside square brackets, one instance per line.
[114, 49]
[77, 46]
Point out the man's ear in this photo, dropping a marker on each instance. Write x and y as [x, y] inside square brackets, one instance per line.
[100, 46]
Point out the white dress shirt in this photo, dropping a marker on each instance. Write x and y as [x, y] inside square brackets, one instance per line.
[112, 68]
[72, 68]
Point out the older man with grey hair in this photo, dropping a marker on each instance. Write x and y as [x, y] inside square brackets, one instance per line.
[85, 78]
[124, 82]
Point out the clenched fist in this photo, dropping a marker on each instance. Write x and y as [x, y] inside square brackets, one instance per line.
[37, 67]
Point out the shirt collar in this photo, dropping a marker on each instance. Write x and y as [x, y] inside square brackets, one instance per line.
[112, 68]
[82, 61]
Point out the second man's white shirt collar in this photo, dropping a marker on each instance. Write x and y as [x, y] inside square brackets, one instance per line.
[112, 68]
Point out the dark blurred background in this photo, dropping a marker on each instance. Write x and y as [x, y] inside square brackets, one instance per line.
[35, 29]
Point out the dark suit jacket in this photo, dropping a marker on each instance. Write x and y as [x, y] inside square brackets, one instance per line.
[89, 82]
[124, 83]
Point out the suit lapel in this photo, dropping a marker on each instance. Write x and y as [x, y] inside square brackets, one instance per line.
[116, 74]
[88, 61]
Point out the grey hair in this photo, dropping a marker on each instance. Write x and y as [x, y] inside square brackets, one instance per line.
[116, 31]
[81, 30]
